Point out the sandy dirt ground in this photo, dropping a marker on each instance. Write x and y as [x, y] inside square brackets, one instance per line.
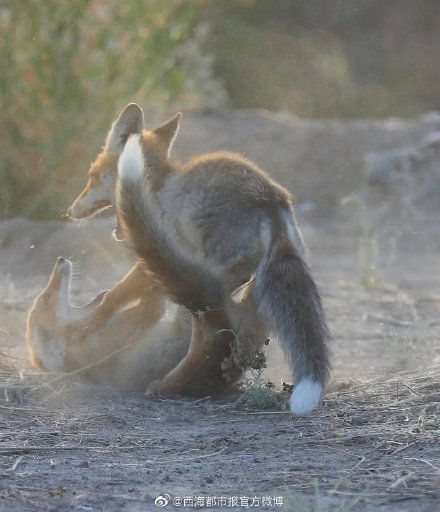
[373, 444]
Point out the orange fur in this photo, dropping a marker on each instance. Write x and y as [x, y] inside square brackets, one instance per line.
[143, 354]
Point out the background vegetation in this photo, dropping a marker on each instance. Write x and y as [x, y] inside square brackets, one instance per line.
[68, 66]
[345, 58]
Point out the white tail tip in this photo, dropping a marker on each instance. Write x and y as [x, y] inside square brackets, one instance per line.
[131, 161]
[305, 397]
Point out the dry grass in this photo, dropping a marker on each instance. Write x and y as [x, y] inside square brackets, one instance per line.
[376, 426]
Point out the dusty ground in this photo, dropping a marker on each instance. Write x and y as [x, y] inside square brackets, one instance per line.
[372, 445]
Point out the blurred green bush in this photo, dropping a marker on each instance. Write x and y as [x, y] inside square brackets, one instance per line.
[68, 66]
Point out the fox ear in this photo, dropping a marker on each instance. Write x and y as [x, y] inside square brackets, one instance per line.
[167, 131]
[129, 122]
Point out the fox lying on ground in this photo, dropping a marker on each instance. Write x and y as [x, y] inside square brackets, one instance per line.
[148, 353]
[206, 230]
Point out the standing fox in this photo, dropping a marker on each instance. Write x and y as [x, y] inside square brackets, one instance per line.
[221, 238]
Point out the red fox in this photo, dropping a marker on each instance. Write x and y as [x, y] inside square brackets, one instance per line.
[209, 228]
[205, 230]
[149, 352]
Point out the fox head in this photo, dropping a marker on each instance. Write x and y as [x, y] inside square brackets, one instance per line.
[99, 191]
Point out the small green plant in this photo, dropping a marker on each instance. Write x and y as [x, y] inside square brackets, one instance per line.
[70, 66]
[258, 392]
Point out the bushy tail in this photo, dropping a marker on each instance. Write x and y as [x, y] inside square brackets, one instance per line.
[183, 281]
[289, 299]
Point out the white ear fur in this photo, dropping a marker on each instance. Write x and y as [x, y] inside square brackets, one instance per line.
[131, 161]
[129, 122]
